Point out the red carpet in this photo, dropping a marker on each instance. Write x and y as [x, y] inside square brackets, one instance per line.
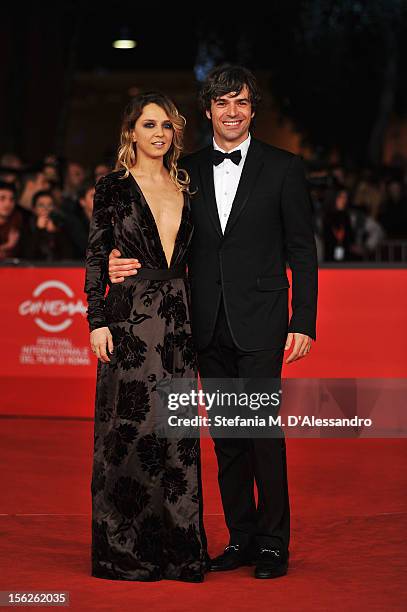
[348, 547]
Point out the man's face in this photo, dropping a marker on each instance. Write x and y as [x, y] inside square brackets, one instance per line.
[7, 202]
[101, 170]
[87, 201]
[76, 175]
[231, 115]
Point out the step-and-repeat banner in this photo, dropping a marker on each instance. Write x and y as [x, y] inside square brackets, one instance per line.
[47, 367]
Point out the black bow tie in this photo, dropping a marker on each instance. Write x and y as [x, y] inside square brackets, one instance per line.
[218, 156]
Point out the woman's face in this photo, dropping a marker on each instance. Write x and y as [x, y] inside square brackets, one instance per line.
[153, 131]
[7, 203]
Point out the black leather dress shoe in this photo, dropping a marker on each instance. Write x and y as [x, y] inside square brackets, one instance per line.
[271, 563]
[232, 558]
[207, 562]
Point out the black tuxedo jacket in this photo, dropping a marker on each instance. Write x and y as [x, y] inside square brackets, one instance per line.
[270, 224]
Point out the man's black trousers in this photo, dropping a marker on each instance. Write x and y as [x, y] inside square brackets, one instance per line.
[244, 461]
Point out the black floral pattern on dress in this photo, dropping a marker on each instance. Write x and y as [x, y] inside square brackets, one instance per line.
[174, 483]
[98, 477]
[138, 318]
[133, 402]
[100, 542]
[116, 443]
[189, 450]
[173, 308]
[152, 452]
[104, 218]
[119, 303]
[124, 210]
[182, 539]
[149, 545]
[185, 343]
[153, 287]
[166, 350]
[129, 349]
[104, 563]
[102, 215]
[121, 195]
[129, 497]
[146, 509]
[102, 395]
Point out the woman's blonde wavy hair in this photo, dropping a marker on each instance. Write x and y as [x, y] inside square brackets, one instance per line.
[126, 154]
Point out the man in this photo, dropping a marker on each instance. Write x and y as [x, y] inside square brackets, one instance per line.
[10, 167]
[32, 182]
[75, 218]
[252, 213]
[99, 171]
[73, 179]
[10, 221]
[42, 238]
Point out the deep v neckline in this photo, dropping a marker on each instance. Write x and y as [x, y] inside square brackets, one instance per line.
[156, 225]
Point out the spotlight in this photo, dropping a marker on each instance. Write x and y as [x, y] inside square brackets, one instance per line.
[124, 40]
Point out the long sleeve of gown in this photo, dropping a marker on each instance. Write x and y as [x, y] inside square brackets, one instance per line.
[100, 244]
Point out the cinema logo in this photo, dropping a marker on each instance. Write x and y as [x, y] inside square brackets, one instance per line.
[44, 306]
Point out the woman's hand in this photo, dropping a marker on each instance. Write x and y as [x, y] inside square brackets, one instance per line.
[99, 339]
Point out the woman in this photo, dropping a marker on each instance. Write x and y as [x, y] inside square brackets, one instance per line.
[146, 490]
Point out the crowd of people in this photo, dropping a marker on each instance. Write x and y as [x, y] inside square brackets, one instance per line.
[359, 213]
[45, 210]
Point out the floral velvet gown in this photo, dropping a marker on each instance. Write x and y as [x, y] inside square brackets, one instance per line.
[146, 489]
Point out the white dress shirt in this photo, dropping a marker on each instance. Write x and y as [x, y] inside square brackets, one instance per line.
[226, 177]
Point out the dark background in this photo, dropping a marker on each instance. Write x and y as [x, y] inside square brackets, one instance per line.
[333, 70]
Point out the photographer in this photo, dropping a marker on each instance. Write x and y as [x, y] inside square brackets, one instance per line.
[43, 238]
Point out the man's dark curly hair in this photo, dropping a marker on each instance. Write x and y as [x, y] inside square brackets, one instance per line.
[227, 78]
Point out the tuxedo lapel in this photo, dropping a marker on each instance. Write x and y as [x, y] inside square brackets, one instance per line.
[208, 188]
[252, 166]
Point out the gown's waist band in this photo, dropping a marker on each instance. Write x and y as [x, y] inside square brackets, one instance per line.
[178, 271]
